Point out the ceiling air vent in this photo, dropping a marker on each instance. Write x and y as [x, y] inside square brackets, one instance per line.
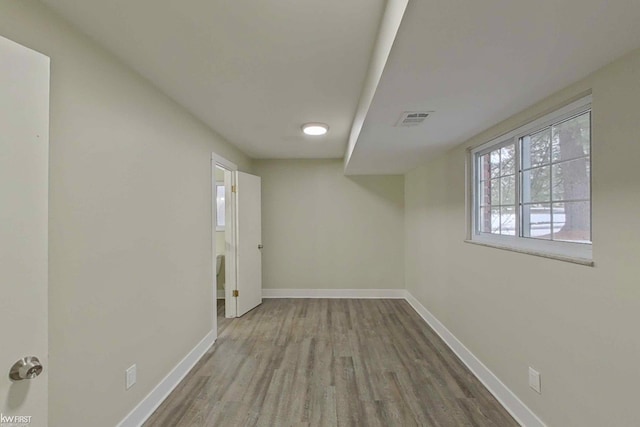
[412, 118]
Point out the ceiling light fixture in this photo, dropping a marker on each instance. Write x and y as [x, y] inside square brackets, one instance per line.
[315, 129]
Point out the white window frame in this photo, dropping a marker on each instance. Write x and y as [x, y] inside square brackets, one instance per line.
[567, 251]
[219, 227]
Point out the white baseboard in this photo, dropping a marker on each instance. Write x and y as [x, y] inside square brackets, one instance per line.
[149, 404]
[220, 294]
[334, 293]
[518, 410]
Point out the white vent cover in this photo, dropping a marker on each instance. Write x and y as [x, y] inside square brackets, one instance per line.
[412, 118]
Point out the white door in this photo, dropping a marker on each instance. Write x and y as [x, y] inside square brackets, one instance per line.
[24, 158]
[249, 244]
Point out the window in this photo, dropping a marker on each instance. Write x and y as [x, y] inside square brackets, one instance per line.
[532, 187]
[220, 209]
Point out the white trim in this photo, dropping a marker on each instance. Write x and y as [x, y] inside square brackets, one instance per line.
[231, 243]
[334, 293]
[518, 410]
[150, 403]
[544, 252]
[214, 228]
[220, 294]
[226, 164]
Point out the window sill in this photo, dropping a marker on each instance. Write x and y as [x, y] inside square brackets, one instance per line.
[565, 258]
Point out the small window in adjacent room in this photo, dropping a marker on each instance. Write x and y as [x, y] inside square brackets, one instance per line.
[220, 206]
[532, 187]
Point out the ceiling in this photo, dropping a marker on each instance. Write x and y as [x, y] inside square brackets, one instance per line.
[476, 63]
[255, 71]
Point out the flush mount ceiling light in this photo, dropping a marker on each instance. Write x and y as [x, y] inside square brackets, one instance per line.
[315, 129]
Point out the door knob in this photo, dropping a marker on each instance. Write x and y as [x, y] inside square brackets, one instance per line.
[260, 246]
[26, 368]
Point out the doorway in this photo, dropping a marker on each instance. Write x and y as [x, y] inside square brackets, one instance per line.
[237, 240]
[224, 244]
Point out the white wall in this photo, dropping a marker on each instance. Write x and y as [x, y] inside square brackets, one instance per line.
[577, 325]
[129, 220]
[322, 230]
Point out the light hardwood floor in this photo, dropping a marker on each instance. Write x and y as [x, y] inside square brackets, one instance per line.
[321, 362]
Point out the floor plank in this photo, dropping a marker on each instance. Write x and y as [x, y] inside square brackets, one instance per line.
[329, 362]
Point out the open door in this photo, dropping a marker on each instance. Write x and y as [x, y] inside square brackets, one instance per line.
[249, 243]
[24, 159]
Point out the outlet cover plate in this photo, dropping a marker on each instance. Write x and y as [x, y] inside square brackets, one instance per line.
[130, 375]
[534, 379]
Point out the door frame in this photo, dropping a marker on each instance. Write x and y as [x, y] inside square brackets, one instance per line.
[230, 237]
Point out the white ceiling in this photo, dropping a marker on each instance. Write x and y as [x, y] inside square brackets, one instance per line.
[478, 62]
[254, 71]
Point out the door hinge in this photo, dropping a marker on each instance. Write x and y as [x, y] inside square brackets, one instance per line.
[235, 293]
[233, 189]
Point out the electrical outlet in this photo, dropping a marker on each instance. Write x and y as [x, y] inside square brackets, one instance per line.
[534, 379]
[130, 375]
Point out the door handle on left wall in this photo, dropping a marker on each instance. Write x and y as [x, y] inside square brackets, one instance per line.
[260, 246]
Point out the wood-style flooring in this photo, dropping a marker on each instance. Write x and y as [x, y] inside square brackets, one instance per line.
[329, 362]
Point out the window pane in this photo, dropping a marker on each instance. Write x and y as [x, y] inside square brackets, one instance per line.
[535, 185]
[536, 221]
[495, 220]
[485, 220]
[572, 221]
[494, 157]
[485, 167]
[484, 197]
[571, 139]
[507, 160]
[544, 191]
[571, 180]
[508, 220]
[536, 149]
[495, 192]
[220, 206]
[508, 190]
